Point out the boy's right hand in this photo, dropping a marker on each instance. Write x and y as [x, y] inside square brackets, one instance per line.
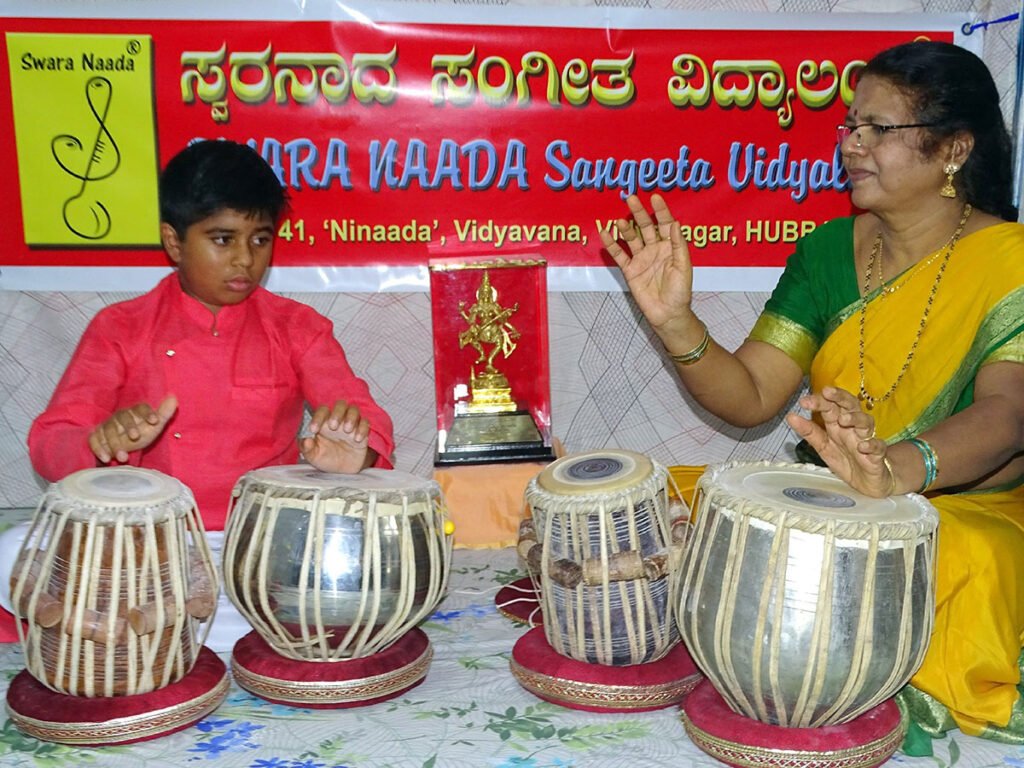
[131, 429]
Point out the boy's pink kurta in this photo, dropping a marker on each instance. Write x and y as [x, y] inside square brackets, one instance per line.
[240, 378]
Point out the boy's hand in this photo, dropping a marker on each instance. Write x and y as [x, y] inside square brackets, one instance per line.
[338, 441]
[131, 429]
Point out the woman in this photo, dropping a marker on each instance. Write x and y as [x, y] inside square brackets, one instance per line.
[907, 319]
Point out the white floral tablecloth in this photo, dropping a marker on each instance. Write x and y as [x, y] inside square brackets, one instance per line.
[469, 711]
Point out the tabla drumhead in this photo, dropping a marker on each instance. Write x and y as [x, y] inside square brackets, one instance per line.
[125, 486]
[309, 478]
[815, 492]
[119, 489]
[595, 472]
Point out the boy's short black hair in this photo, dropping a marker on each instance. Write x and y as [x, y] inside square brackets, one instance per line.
[209, 176]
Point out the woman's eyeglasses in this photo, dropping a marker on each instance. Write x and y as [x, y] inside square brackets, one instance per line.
[868, 135]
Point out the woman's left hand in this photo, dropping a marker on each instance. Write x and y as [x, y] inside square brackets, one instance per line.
[847, 441]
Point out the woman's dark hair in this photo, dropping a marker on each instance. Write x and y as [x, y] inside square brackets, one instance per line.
[951, 88]
[209, 176]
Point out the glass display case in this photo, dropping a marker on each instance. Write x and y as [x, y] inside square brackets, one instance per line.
[491, 368]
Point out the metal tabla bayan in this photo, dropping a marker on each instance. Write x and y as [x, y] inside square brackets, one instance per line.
[116, 583]
[603, 525]
[329, 567]
[804, 602]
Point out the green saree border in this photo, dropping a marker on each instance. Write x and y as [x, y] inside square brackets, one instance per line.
[1001, 324]
[787, 335]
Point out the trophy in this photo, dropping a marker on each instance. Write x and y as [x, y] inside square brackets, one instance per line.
[491, 364]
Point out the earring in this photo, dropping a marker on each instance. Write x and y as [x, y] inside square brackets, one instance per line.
[948, 190]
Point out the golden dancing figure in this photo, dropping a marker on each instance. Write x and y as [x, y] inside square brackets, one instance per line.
[489, 326]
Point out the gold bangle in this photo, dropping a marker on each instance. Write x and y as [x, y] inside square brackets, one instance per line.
[892, 476]
[695, 354]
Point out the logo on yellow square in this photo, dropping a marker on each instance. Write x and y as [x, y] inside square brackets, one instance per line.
[86, 138]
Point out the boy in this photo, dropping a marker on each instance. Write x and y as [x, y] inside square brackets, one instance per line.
[205, 377]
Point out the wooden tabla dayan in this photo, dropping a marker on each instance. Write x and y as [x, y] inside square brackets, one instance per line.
[603, 523]
[601, 545]
[805, 603]
[331, 570]
[116, 581]
[117, 589]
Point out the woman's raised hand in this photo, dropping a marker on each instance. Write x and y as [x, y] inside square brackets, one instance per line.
[655, 263]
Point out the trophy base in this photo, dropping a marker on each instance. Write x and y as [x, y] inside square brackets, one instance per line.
[490, 401]
[480, 438]
[491, 394]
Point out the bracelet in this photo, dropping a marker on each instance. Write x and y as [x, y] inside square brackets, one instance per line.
[695, 354]
[892, 476]
[931, 462]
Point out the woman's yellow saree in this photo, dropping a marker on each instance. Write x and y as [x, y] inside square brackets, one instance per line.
[971, 674]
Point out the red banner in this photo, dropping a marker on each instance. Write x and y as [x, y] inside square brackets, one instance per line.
[405, 141]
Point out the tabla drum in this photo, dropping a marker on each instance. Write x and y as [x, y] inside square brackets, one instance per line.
[604, 527]
[804, 602]
[329, 567]
[116, 582]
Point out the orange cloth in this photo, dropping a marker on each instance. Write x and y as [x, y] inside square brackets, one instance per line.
[485, 501]
[685, 477]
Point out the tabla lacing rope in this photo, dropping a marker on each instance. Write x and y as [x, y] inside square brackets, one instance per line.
[514, 600]
[530, 616]
[495, 588]
[89, 564]
[115, 595]
[640, 620]
[363, 636]
[804, 710]
[905, 634]
[735, 509]
[51, 531]
[862, 647]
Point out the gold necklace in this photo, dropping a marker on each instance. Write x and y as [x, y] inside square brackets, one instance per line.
[876, 257]
[869, 400]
